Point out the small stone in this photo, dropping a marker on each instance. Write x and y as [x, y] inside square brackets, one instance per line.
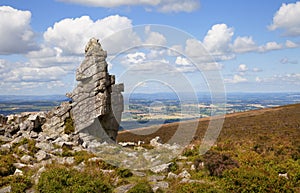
[42, 155]
[19, 165]
[23, 148]
[180, 157]
[80, 167]
[34, 135]
[161, 168]
[184, 174]
[124, 188]
[37, 175]
[139, 174]
[5, 147]
[185, 180]
[171, 175]
[6, 189]
[46, 146]
[5, 139]
[18, 172]
[156, 142]
[156, 178]
[193, 167]
[69, 160]
[107, 171]
[160, 185]
[26, 158]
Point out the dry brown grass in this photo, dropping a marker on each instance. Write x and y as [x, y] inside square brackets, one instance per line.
[278, 123]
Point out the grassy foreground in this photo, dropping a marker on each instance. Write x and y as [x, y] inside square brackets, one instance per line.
[257, 151]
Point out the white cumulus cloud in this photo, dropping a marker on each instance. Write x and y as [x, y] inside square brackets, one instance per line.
[135, 58]
[160, 5]
[16, 35]
[244, 44]
[195, 51]
[287, 18]
[154, 38]
[182, 61]
[32, 74]
[236, 79]
[217, 40]
[71, 35]
[270, 46]
[290, 44]
[282, 79]
[243, 68]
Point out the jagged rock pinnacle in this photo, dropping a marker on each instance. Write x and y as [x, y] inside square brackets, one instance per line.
[97, 102]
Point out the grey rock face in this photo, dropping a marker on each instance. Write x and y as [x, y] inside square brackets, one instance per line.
[55, 121]
[3, 120]
[97, 102]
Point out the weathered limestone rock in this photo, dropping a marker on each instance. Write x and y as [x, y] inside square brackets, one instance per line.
[56, 119]
[161, 168]
[97, 103]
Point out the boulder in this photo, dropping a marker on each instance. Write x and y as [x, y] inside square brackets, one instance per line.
[161, 168]
[184, 174]
[171, 175]
[42, 155]
[160, 185]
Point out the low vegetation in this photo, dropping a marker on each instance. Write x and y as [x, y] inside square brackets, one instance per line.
[255, 152]
[63, 179]
[69, 126]
[141, 187]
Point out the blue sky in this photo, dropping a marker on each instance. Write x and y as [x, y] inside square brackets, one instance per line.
[153, 45]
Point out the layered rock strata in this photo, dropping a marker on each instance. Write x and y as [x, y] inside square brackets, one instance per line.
[97, 102]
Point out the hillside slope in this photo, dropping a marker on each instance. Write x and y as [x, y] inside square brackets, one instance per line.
[283, 123]
[256, 151]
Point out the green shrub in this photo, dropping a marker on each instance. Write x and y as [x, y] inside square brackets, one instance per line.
[61, 179]
[124, 173]
[217, 163]
[197, 188]
[190, 152]
[197, 163]
[29, 145]
[173, 167]
[255, 180]
[66, 152]
[69, 126]
[18, 183]
[142, 187]
[101, 164]
[6, 165]
[81, 156]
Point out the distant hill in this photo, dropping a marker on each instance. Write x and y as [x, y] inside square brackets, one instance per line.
[30, 98]
[281, 123]
[15, 104]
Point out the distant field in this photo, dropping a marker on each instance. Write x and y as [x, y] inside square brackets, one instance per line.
[143, 110]
[281, 122]
[18, 104]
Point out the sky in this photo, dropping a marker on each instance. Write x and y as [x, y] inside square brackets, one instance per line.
[152, 45]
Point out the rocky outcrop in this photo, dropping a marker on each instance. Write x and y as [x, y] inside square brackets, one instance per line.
[93, 115]
[3, 120]
[55, 124]
[97, 102]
